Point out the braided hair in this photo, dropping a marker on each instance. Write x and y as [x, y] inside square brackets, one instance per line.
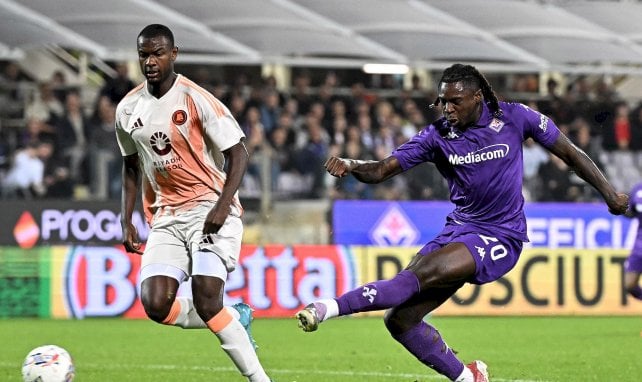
[471, 78]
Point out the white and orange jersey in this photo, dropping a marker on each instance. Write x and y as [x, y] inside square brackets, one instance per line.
[179, 138]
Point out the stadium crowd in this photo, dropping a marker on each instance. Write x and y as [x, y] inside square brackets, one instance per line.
[55, 143]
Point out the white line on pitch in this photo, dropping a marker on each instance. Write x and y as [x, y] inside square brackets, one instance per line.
[274, 371]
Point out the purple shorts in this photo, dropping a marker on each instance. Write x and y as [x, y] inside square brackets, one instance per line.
[494, 255]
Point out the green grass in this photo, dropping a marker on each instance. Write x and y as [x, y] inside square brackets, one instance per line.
[352, 349]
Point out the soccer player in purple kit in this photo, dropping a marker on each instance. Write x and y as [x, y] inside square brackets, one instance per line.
[633, 264]
[477, 147]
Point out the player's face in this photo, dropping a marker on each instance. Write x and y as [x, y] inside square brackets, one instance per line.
[156, 57]
[460, 105]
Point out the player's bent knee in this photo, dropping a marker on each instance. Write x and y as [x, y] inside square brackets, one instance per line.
[156, 307]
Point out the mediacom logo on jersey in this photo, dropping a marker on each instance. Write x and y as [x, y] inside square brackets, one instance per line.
[484, 154]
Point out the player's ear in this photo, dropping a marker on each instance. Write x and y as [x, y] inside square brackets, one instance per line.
[174, 53]
[478, 95]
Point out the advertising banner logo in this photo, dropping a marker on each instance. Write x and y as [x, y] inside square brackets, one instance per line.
[64, 222]
[275, 280]
[278, 280]
[550, 225]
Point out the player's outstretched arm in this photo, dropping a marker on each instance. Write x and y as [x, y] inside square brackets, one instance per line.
[366, 171]
[586, 169]
[131, 180]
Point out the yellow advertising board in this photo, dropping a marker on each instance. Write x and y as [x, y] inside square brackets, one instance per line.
[545, 281]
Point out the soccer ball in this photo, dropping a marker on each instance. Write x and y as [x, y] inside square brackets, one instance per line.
[48, 363]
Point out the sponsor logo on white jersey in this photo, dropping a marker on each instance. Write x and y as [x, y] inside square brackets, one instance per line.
[484, 154]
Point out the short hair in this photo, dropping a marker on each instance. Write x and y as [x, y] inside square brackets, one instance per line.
[157, 30]
[471, 78]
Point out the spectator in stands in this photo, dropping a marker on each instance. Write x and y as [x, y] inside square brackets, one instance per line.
[255, 144]
[25, 178]
[366, 131]
[286, 181]
[72, 136]
[270, 110]
[286, 122]
[35, 130]
[622, 126]
[58, 181]
[44, 105]
[14, 90]
[312, 155]
[115, 88]
[556, 181]
[338, 130]
[302, 92]
[338, 116]
[59, 85]
[534, 157]
[636, 129]
[580, 134]
[104, 161]
[238, 106]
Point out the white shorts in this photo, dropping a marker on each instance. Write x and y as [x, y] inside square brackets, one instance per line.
[175, 237]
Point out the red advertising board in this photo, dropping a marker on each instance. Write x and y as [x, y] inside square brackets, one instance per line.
[275, 280]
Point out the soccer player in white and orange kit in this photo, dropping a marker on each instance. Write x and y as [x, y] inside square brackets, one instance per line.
[175, 138]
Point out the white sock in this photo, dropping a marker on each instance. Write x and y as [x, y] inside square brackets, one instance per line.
[465, 376]
[188, 318]
[236, 344]
[332, 308]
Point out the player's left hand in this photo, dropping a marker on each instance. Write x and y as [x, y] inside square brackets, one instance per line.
[215, 219]
[619, 205]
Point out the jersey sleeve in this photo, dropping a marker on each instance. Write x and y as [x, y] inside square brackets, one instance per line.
[125, 141]
[417, 150]
[219, 125]
[225, 132]
[537, 126]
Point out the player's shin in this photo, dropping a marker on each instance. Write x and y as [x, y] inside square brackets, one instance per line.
[235, 342]
[425, 343]
[382, 294]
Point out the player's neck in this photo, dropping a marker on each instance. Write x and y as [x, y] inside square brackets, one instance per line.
[159, 90]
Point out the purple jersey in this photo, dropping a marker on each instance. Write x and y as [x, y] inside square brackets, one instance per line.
[483, 164]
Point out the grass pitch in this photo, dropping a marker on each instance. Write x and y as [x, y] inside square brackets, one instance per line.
[525, 349]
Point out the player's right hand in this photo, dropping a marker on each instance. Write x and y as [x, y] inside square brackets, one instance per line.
[338, 167]
[619, 205]
[130, 239]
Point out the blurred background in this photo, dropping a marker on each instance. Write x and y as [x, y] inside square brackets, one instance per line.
[308, 79]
